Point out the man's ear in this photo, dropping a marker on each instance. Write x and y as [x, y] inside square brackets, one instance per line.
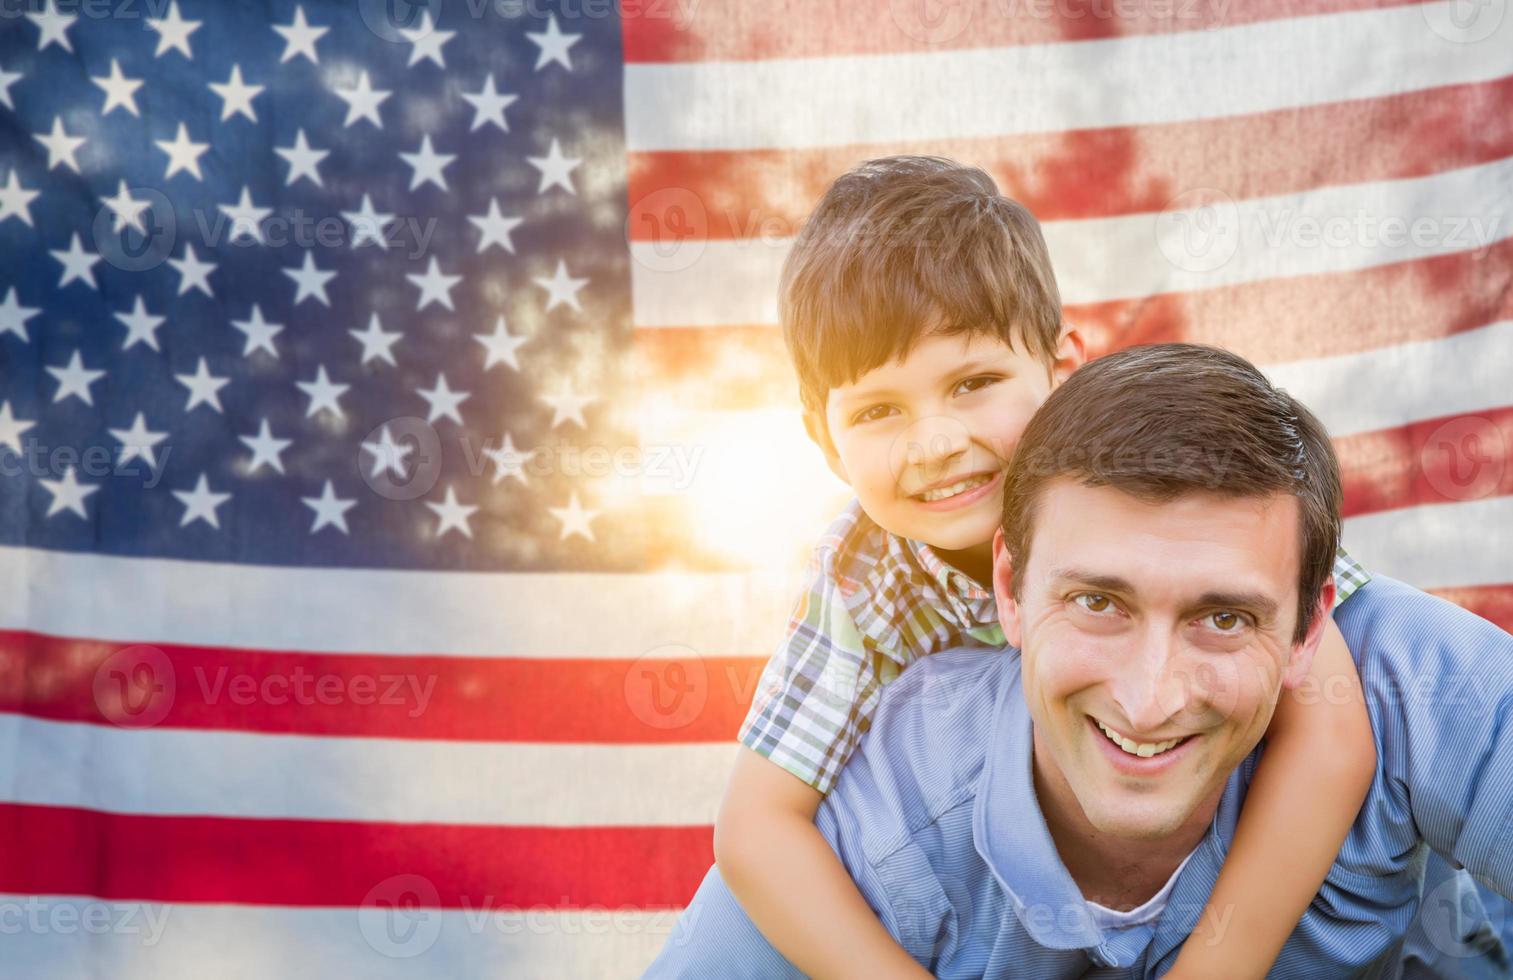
[1071, 354]
[819, 433]
[1301, 661]
[1003, 591]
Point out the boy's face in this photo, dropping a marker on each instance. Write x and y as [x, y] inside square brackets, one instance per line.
[924, 441]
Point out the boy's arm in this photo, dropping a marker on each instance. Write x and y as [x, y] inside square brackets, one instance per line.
[792, 884]
[1319, 763]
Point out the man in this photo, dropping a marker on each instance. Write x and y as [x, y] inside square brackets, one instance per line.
[1169, 523]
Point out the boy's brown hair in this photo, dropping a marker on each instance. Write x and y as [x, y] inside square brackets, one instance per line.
[1163, 420]
[905, 245]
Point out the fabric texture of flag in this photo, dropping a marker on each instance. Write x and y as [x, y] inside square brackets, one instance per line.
[401, 476]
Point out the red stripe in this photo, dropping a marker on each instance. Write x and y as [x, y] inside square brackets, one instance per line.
[1493, 603]
[68, 851]
[696, 699]
[1433, 461]
[748, 30]
[1269, 322]
[747, 194]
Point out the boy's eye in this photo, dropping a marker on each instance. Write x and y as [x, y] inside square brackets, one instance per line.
[976, 384]
[871, 414]
[1225, 621]
[1093, 601]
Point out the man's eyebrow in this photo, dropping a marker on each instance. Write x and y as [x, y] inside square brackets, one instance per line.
[1107, 583]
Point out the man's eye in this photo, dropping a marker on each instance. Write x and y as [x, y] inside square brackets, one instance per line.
[976, 384]
[1226, 621]
[1093, 602]
[871, 414]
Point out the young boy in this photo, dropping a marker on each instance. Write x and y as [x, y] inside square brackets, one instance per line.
[923, 318]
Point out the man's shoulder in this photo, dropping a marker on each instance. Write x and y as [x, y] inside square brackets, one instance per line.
[1386, 621]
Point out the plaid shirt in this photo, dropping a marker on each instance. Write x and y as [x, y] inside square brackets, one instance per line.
[872, 604]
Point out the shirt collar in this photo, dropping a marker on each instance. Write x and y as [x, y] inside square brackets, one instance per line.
[1010, 834]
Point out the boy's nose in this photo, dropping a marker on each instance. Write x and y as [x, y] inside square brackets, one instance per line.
[932, 442]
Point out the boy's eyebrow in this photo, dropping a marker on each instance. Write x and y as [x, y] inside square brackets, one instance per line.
[1263, 606]
[867, 394]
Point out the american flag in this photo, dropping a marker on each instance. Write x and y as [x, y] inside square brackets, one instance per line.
[402, 478]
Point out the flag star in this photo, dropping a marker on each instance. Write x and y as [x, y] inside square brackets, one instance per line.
[61, 147]
[489, 104]
[78, 263]
[53, 25]
[443, 400]
[137, 442]
[556, 169]
[67, 494]
[311, 281]
[245, 217]
[236, 95]
[567, 406]
[433, 286]
[260, 332]
[13, 315]
[141, 326]
[554, 45]
[303, 161]
[387, 454]
[362, 101]
[120, 91]
[575, 519]
[200, 504]
[562, 288]
[15, 199]
[368, 224]
[183, 154]
[193, 274]
[496, 228]
[266, 449]
[452, 515]
[299, 37]
[7, 79]
[126, 210]
[12, 428]
[377, 343]
[427, 41]
[74, 378]
[508, 461]
[330, 510]
[500, 346]
[428, 164]
[323, 392]
[204, 387]
[173, 31]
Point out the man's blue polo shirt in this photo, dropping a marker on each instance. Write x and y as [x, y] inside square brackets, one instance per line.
[935, 817]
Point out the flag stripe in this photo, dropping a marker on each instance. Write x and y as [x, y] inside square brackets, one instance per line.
[158, 941]
[751, 30]
[454, 698]
[69, 851]
[240, 774]
[723, 195]
[1432, 461]
[1435, 546]
[1332, 229]
[734, 105]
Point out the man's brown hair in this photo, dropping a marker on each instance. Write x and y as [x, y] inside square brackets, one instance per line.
[903, 245]
[1163, 420]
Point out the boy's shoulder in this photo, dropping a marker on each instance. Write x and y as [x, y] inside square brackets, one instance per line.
[847, 553]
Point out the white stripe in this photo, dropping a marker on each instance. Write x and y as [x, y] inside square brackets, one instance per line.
[1437, 546]
[387, 612]
[1404, 383]
[240, 774]
[1331, 229]
[55, 936]
[1157, 78]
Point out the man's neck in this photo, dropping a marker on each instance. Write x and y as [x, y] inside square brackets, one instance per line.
[1112, 871]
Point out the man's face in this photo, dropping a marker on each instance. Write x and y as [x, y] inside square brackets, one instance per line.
[923, 441]
[1166, 626]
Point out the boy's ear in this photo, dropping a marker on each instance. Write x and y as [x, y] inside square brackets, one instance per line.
[1003, 591]
[1071, 354]
[819, 432]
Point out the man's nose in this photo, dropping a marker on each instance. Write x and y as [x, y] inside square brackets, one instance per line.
[1150, 688]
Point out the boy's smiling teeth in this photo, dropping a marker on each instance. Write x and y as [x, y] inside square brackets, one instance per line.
[970, 483]
[1143, 749]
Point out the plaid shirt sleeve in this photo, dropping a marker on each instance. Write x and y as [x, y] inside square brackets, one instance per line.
[818, 692]
[1348, 576]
